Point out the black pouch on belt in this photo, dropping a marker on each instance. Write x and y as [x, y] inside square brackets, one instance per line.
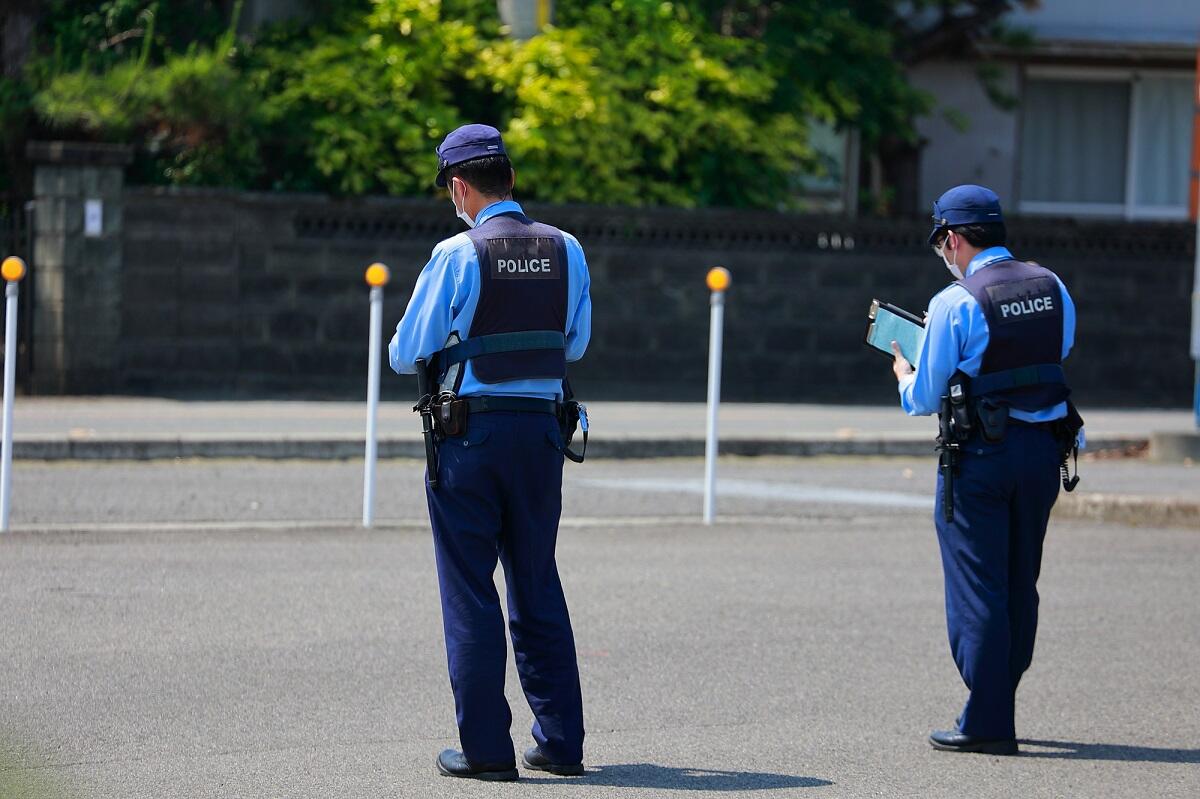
[993, 420]
[451, 415]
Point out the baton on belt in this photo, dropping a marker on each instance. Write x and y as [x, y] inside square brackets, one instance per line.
[948, 450]
[424, 406]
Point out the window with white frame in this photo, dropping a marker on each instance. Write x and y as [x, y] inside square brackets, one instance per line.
[1106, 142]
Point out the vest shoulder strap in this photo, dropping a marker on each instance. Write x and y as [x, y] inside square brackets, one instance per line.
[522, 341]
[480, 232]
[1006, 263]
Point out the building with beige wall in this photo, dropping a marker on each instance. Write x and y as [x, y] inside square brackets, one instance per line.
[1102, 125]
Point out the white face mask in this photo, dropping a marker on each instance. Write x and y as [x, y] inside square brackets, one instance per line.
[461, 212]
[954, 268]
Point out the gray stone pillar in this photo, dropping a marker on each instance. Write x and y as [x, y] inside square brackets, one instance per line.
[526, 18]
[76, 269]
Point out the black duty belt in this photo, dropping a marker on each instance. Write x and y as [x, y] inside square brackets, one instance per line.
[1022, 423]
[519, 404]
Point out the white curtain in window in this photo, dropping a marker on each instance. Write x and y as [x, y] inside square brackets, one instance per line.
[1162, 147]
[1073, 141]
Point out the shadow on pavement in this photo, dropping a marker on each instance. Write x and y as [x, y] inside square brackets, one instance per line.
[648, 775]
[1069, 750]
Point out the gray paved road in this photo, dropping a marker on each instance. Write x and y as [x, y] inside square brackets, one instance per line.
[255, 491]
[798, 653]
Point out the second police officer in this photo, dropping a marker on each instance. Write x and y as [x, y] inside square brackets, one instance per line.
[990, 365]
[498, 312]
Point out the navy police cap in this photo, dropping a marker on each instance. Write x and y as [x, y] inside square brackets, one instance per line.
[467, 143]
[965, 205]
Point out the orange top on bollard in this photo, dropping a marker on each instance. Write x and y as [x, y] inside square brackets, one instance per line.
[718, 278]
[12, 269]
[378, 275]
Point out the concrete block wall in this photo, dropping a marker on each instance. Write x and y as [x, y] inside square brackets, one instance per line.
[234, 294]
[225, 299]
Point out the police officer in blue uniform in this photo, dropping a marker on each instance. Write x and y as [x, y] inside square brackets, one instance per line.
[991, 366]
[497, 313]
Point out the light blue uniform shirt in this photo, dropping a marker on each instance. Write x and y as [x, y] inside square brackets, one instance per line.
[444, 302]
[956, 336]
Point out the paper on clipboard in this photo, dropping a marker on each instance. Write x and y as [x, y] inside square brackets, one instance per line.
[887, 323]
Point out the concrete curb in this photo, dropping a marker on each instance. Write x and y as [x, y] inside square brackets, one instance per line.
[61, 448]
[1138, 511]
[1175, 447]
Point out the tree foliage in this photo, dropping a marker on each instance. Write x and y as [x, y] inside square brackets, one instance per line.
[639, 101]
[677, 102]
[369, 98]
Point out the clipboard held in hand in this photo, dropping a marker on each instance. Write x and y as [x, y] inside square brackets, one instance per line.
[887, 323]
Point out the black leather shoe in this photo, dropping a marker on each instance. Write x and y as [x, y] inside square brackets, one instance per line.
[537, 761]
[452, 763]
[955, 741]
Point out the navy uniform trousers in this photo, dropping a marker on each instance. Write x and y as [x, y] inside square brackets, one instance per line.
[500, 497]
[991, 557]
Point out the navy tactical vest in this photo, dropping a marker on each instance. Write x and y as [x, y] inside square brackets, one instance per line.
[1022, 365]
[522, 290]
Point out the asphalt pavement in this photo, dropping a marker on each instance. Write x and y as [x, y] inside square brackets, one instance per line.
[85, 495]
[222, 628]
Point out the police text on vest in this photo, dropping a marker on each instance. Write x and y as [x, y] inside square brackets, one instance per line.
[1026, 307]
[522, 266]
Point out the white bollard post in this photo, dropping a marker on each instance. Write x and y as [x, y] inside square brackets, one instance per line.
[13, 269]
[377, 278]
[718, 281]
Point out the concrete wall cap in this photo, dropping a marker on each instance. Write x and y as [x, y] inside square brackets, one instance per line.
[77, 153]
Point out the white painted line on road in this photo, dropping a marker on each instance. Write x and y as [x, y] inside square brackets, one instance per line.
[208, 526]
[413, 525]
[756, 489]
[672, 521]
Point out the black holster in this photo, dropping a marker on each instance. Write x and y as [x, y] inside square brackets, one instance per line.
[424, 407]
[957, 406]
[572, 415]
[949, 450]
[1066, 433]
[955, 424]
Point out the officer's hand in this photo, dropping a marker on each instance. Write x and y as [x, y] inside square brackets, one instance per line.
[901, 366]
